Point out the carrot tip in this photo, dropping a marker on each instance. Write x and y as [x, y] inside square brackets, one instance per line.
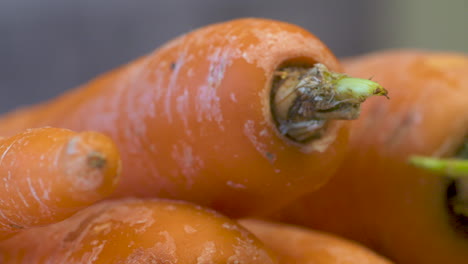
[96, 160]
[92, 163]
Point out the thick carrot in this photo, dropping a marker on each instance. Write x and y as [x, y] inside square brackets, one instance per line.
[300, 245]
[378, 197]
[227, 116]
[47, 174]
[138, 231]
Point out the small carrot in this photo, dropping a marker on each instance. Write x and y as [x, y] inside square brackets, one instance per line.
[227, 116]
[47, 174]
[300, 245]
[138, 231]
[380, 196]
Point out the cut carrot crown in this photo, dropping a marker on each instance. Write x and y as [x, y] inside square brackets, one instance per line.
[304, 99]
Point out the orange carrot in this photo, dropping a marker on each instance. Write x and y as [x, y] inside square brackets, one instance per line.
[379, 198]
[138, 231]
[228, 116]
[47, 174]
[299, 245]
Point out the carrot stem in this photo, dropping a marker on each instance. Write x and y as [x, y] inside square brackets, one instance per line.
[453, 168]
[304, 99]
[456, 169]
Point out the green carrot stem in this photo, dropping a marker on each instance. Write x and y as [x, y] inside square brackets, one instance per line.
[453, 168]
[304, 99]
[456, 169]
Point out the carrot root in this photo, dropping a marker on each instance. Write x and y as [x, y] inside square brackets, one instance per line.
[47, 174]
[138, 231]
[295, 244]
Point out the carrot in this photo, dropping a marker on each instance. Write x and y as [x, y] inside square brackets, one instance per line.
[300, 245]
[227, 116]
[138, 231]
[379, 197]
[47, 174]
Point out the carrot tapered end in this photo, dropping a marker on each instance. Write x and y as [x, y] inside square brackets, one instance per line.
[92, 165]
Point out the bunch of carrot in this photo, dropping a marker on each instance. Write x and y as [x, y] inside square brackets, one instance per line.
[379, 196]
[244, 119]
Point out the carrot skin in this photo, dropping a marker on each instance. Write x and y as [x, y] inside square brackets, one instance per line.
[300, 245]
[138, 231]
[193, 119]
[47, 174]
[377, 197]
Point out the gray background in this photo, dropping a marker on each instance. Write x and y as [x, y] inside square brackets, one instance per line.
[48, 46]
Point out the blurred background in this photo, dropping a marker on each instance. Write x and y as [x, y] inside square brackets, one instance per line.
[49, 46]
